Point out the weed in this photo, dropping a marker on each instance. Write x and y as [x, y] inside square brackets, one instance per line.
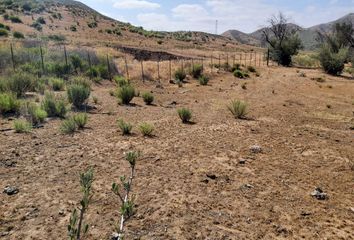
[203, 80]
[55, 107]
[197, 70]
[22, 126]
[8, 103]
[251, 69]
[81, 120]
[146, 129]
[76, 225]
[125, 127]
[180, 75]
[125, 94]
[68, 126]
[238, 109]
[184, 114]
[78, 94]
[148, 98]
[57, 84]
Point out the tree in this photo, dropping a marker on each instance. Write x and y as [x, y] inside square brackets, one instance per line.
[282, 39]
[335, 47]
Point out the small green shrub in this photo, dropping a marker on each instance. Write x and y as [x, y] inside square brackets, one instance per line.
[238, 109]
[18, 35]
[59, 69]
[8, 103]
[15, 19]
[103, 72]
[81, 81]
[180, 75]
[197, 70]
[239, 74]
[57, 84]
[203, 80]
[251, 69]
[55, 107]
[120, 81]
[20, 83]
[76, 62]
[78, 94]
[68, 126]
[184, 114]
[41, 20]
[4, 33]
[37, 115]
[148, 98]
[125, 127]
[235, 67]
[125, 94]
[81, 120]
[93, 72]
[146, 129]
[22, 126]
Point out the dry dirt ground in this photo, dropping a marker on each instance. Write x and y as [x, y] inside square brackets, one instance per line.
[190, 182]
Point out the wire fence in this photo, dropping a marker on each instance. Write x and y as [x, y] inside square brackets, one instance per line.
[15, 55]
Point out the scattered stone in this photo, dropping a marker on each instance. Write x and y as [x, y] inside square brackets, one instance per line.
[256, 149]
[304, 213]
[61, 212]
[319, 194]
[206, 181]
[114, 236]
[211, 176]
[242, 161]
[11, 190]
[352, 209]
[247, 186]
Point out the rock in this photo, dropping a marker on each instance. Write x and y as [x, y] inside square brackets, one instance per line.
[114, 236]
[61, 212]
[352, 209]
[11, 190]
[247, 186]
[206, 181]
[242, 161]
[211, 176]
[256, 149]
[319, 194]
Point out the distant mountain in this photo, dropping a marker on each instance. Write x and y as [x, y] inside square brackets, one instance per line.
[307, 35]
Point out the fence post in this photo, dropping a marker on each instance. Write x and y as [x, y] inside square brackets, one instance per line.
[109, 68]
[42, 60]
[192, 64]
[268, 58]
[66, 56]
[142, 70]
[170, 68]
[211, 63]
[234, 60]
[219, 62]
[126, 67]
[12, 57]
[158, 68]
[182, 65]
[203, 63]
[227, 60]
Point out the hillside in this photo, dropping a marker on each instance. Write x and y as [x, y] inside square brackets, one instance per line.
[307, 35]
[76, 23]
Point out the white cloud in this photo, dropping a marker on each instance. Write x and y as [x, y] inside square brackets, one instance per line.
[136, 4]
[190, 11]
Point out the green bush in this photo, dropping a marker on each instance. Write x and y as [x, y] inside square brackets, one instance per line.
[76, 62]
[251, 69]
[20, 83]
[148, 98]
[239, 74]
[55, 107]
[333, 62]
[146, 129]
[37, 115]
[4, 33]
[59, 69]
[184, 114]
[238, 109]
[41, 20]
[22, 126]
[81, 120]
[120, 81]
[8, 103]
[81, 81]
[78, 94]
[15, 19]
[203, 80]
[197, 70]
[68, 126]
[93, 72]
[103, 72]
[125, 94]
[57, 84]
[235, 67]
[126, 128]
[180, 75]
[18, 35]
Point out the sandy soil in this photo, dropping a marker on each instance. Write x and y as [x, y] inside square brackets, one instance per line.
[190, 182]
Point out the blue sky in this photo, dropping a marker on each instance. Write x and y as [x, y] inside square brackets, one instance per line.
[198, 15]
